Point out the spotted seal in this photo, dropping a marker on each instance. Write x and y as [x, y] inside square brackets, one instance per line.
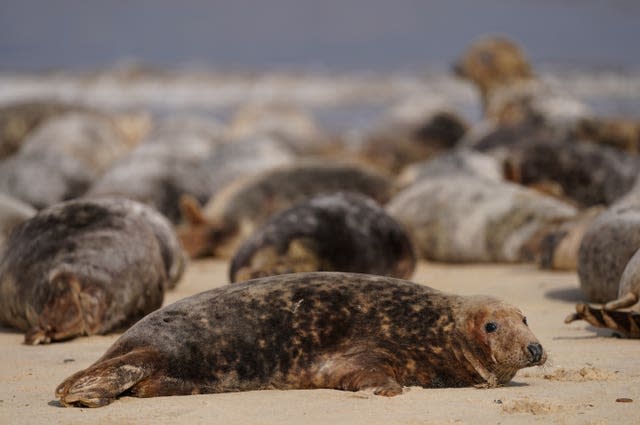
[86, 267]
[336, 232]
[237, 211]
[312, 330]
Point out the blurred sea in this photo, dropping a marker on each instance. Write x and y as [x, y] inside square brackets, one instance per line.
[339, 100]
[346, 60]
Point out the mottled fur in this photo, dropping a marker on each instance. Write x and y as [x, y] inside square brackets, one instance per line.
[336, 232]
[85, 267]
[467, 219]
[311, 330]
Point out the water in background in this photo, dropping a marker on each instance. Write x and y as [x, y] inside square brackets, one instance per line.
[346, 60]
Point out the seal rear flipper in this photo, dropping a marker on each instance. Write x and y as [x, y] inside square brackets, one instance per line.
[102, 383]
[61, 317]
[625, 322]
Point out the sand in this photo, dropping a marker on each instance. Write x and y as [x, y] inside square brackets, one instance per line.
[587, 371]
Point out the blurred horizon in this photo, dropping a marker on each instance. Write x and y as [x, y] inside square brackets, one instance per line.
[371, 35]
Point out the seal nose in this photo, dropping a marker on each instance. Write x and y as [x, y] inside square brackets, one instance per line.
[535, 349]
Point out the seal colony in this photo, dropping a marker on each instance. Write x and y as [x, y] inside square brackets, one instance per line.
[312, 330]
[86, 267]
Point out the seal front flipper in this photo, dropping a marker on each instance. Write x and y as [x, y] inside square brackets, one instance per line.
[362, 371]
[100, 384]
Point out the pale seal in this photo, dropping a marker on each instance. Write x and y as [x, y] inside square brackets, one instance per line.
[459, 218]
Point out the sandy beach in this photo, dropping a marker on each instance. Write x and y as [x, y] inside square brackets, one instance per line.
[587, 371]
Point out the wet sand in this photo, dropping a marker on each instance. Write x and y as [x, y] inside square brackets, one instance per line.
[586, 372]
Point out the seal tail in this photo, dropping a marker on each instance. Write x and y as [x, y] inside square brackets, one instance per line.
[101, 383]
[625, 322]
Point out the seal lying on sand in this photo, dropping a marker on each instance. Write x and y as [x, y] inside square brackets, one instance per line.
[610, 316]
[343, 232]
[605, 250]
[238, 210]
[467, 219]
[86, 267]
[312, 330]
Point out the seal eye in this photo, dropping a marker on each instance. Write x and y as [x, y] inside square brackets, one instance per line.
[491, 327]
[524, 320]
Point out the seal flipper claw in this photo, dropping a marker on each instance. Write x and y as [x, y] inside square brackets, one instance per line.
[625, 322]
[103, 382]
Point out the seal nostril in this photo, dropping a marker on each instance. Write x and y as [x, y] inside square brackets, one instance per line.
[536, 351]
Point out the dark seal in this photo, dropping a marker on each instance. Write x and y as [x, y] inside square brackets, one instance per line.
[311, 330]
[343, 232]
[86, 267]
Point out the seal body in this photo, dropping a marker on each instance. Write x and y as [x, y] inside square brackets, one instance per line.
[606, 247]
[84, 267]
[611, 315]
[311, 330]
[466, 219]
[237, 211]
[335, 232]
[587, 173]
